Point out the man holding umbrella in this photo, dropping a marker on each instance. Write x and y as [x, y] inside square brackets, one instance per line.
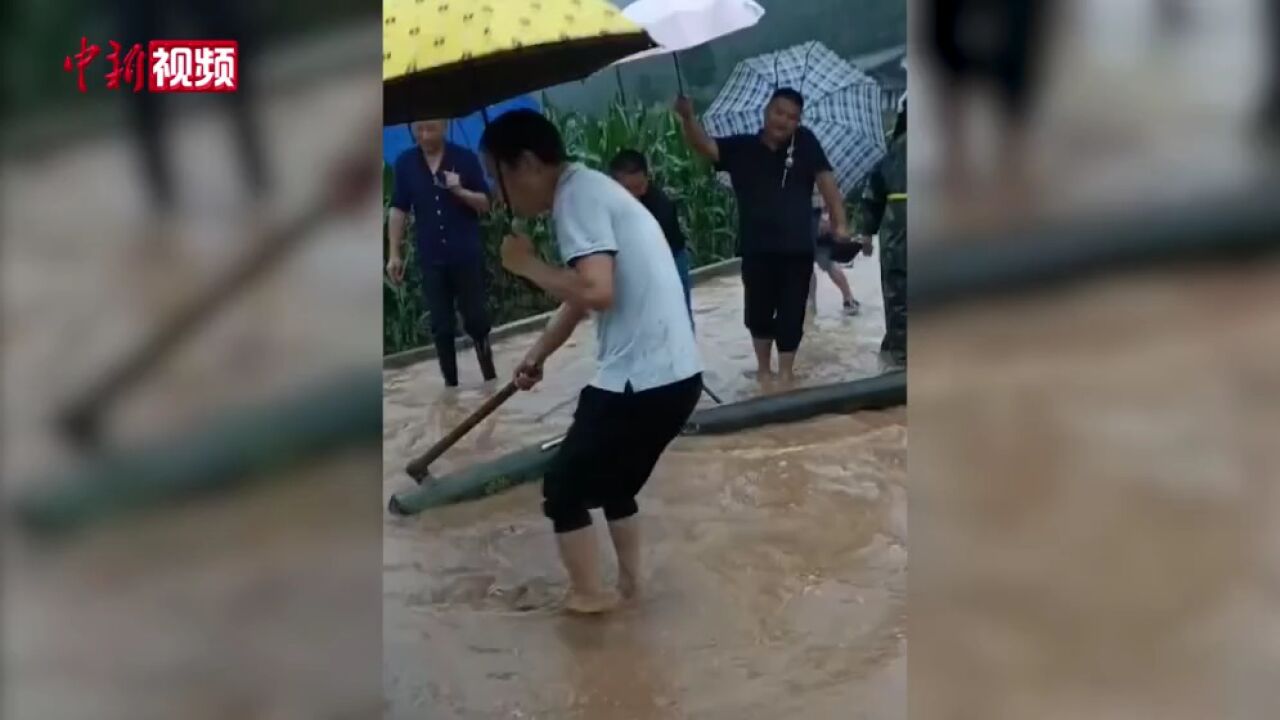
[444, 187]
[774, 173]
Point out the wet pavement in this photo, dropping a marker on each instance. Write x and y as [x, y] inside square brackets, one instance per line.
[217, 609]
[775, 559]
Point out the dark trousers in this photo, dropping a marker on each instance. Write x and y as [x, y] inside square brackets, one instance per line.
[682, 267]
[993, 40]
[144, 20]
[453, 289]
[893, 283]
[776, 291]
[1271, 89]
[611, 449]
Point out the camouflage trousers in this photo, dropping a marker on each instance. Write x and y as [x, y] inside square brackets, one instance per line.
[893, 283]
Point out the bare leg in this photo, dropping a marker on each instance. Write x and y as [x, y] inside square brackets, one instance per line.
[786, 368]
[764, 358]
[842, 282]
[626, 543]
[1016, 180]
[580, 555]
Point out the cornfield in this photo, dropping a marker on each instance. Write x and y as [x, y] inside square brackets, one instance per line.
[707, 213]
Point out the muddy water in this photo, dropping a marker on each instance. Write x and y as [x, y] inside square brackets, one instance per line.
[775, 559]
[1094, 502]
[219, 609]
[417, 409]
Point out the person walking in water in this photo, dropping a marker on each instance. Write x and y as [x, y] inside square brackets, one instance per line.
[631, 170]
[618, 269]
[825, 257]
[884, 206]
[443, 185]
[773, 173]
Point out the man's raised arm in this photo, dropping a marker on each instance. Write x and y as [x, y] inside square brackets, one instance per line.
[694, 134]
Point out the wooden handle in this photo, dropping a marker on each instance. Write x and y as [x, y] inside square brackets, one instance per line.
[418, 468]
[82, 413]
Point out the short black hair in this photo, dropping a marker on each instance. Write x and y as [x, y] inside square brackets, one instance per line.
[629, 162]
[788, 94]
[517, 131]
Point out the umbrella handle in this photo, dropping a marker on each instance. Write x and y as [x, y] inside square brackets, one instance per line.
[502, 183]
[622, 93]
[675, 57]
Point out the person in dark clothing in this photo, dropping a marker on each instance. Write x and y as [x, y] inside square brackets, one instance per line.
[631, 170]
[996, 42]
[443, 185]
[1269, 112]
[774, 173]
[141, 21]
[884, 208]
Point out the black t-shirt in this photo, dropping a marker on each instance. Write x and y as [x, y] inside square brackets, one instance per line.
[661, 207]
[773, 217]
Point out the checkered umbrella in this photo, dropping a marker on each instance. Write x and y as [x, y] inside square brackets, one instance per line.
[841, 105]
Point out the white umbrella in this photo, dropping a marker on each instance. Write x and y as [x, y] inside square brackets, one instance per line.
[683, 24]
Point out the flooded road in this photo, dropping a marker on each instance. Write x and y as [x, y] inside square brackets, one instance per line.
[219, 608]
[418, 410]
[775, 559]
[1094, 501]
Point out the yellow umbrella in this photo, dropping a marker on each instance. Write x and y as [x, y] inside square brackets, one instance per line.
[446, 58]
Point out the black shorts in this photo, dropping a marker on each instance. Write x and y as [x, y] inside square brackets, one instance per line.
[993, 40]
[776, 291]
[611, 449]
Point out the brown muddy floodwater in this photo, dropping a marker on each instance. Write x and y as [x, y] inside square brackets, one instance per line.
[1094, 501]
[775, 559]
[257, 604]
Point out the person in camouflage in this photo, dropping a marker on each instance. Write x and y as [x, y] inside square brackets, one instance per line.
[884, 210]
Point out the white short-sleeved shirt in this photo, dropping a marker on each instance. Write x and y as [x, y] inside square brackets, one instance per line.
[646, 337]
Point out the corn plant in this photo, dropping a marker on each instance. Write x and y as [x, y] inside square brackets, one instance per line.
[402, 306]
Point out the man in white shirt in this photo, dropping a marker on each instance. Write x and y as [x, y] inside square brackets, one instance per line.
[619, 270]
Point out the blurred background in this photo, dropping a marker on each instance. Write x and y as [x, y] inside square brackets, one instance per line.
[1093, 501]
[1093, 462]
[121, 210]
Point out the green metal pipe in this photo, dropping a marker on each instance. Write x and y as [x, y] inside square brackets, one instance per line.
[477, 481]
[875, 393]
[237, 446]
[529, 464]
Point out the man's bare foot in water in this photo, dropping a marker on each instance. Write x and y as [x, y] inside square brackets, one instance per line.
[628, 589]
[581, 603]
[578, 551]
[626, 542]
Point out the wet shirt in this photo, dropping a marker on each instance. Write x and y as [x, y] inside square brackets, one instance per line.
[662, 208]
[645, 340]
[773, 217]
[446, 231]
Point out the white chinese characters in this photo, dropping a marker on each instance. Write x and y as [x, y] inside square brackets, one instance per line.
[197, 66]
[171, 67]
